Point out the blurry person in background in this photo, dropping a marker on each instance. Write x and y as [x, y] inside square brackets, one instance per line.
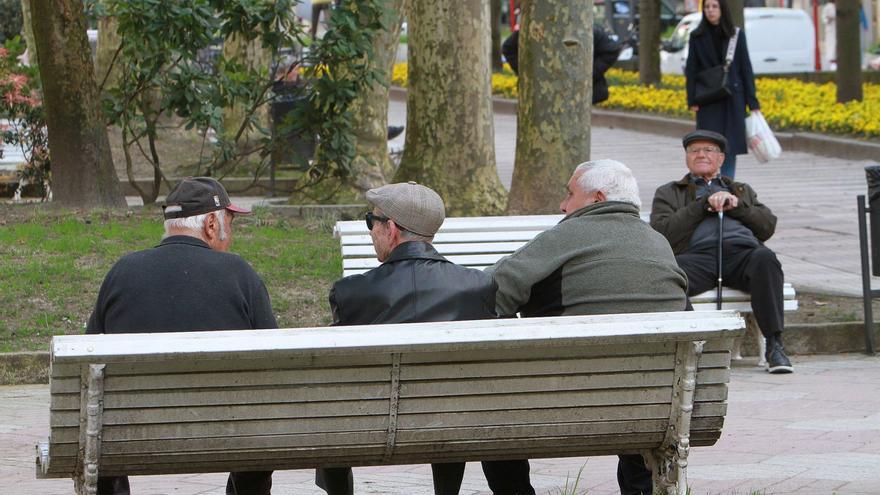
[708, 48]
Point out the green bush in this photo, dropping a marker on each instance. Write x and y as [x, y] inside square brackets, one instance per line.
[11, 21]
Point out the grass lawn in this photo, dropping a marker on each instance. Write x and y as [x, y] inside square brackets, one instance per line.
[52, 264]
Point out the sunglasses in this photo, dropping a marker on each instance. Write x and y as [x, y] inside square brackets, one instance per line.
[370, 217]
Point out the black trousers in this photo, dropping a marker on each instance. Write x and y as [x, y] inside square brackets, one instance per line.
[633, 476]
[245, 483]
[753, 270]
[503, 477]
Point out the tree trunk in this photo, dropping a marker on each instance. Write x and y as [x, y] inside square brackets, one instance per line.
[495, 19]
[254, 56]
[372, 165]
[82, 168]
[26, 20]
[450, 138]
[737, 13]
[555, 91]
[649, 42]
[849, 52]
[107, 58]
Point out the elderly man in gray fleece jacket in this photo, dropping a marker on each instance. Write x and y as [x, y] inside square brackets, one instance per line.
[601, 258]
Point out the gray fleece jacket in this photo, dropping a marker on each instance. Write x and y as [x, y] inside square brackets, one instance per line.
[600, 259]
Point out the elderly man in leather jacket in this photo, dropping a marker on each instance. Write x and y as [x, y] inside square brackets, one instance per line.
[685, 212]
[415, 283]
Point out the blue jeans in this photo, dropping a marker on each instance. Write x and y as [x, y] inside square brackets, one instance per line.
[728, 168]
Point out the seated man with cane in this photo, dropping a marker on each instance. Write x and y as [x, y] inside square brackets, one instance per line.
[717, 229]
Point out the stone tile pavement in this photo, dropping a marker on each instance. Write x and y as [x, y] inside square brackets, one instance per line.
[816, 432]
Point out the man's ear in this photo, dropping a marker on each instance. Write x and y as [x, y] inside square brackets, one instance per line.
[211, 229]
[600, 197]
[394, 232]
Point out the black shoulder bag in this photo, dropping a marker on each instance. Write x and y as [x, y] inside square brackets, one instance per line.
[711, 83]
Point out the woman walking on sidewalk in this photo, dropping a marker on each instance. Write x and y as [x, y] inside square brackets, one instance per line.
[709, 48]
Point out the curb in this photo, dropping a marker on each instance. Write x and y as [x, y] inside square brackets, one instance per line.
[806, 142]
[21, 368]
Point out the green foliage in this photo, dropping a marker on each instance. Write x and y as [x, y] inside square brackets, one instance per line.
[10, 19]
[340, 72]
[571, 486]
[168, 65]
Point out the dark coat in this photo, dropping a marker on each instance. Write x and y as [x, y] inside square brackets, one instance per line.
[181, 285]
[415, 284]
[728, 116]
[677, 212]
[605, 53]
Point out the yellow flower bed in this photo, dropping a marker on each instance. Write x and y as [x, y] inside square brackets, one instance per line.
[787, 104]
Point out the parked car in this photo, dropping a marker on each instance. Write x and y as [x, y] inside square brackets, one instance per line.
[779, 41]
[621, 18]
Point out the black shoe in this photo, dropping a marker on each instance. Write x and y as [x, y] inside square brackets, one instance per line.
[777, 361]
[394, 131]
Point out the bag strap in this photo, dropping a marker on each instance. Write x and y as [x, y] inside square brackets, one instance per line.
[731, 47]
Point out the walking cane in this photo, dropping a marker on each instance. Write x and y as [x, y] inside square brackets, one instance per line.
[720, 238]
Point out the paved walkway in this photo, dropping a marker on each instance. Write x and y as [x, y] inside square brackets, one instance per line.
[814, 197]
[814, 432]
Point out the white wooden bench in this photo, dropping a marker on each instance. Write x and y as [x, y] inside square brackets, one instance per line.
[479, 242]
[145, 404]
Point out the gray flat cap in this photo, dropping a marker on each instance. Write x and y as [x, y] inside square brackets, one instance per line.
[412, 206]
[704, 135]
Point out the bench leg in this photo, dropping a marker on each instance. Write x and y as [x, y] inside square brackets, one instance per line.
[669, 462]
[752, 328]
[91, 418]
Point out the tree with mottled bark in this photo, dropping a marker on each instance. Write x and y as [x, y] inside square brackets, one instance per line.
[450, 138]
[649, 42]
[372, 167]
[849, 52]
[555, 91]
[108, 51]
[82, 167]
[251, 54]
[28, 31]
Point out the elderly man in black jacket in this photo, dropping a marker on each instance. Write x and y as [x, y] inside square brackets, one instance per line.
[414, 283]
[187, 283]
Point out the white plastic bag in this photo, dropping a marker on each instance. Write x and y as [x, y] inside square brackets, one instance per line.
[760, 138]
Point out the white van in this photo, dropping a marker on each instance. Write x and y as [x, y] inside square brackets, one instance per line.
[779, 41]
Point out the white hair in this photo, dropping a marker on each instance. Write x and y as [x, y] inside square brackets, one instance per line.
[613, 178]
[197, 223]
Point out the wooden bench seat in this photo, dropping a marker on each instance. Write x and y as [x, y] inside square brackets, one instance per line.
[144, 404]
[479, 242]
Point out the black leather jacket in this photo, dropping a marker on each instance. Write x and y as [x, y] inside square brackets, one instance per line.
[415, 284]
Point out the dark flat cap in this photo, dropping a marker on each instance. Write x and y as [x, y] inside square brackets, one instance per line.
[197, 196]
[704, 135]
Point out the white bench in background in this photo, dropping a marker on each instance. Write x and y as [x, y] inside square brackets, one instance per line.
[174, 403]
[479, 242]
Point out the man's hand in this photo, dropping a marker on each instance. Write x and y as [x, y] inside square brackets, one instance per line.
[722, 201]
